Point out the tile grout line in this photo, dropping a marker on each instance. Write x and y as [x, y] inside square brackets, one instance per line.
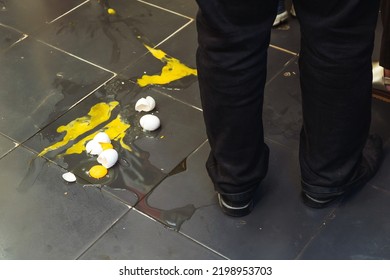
[380, 189]
[204, 246]
[92, 91]
[282, 49]
[77, 57]
[71, 10]
[165, 9]
[174, 33]
[103, 233]
[279, 72]
[317, 233]
[15, 43]
[176, 99]
[13, 28]
[179, 232]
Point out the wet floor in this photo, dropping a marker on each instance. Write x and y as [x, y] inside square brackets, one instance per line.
[70, 69]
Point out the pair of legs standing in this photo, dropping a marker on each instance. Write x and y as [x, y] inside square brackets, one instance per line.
[336, 78]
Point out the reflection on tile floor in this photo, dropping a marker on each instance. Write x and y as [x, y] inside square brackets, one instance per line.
[38, 84]
[74, 68]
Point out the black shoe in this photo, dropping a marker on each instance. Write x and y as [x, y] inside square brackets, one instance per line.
[237, 208]
[371, 161]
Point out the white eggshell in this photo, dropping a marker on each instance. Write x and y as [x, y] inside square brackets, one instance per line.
[69, 177]
[145, 104]
[149, 122]
[141, 105]
[102, 137]
[93, 147]
[108, 158]
[151, 101]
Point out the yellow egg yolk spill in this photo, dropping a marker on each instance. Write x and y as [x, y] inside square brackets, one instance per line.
[116, 130]
[111, 11]
[172, 71]
[106, 146]
[98, 171]
[98, 114]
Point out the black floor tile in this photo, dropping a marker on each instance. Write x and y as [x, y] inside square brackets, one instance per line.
[6, 145]
[382, 178]
[186, 190]
[38, 84]
[287, 35]
[359, 229]
[277, 59]
[144, 157]
[138, 237]
[9, 36]
[44, 217]
[184, 7]
[380, 118]
[28, 16]
[116, 40]
[279, 227]
[282, 112]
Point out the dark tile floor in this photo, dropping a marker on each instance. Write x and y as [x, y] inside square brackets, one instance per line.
[70, 69]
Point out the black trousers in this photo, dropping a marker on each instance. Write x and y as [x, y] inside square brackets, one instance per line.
[384, 59]
[336, 78]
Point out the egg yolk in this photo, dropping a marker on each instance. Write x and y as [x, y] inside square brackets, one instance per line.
[98, 171]
[106, 146]
[111, 11]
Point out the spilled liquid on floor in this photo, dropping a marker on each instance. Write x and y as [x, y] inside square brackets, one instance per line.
[133, 172]
[98, 114]
[173, 70]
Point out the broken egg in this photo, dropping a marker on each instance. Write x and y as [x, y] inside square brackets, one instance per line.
[69, 177]
[149, 122]
[98, 171]
[102, 137]
[93, 147]
[145, 104]
[108, 158]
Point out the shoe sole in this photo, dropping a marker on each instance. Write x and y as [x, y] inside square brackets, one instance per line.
[235, 211]
[318, 204]
[280, 18]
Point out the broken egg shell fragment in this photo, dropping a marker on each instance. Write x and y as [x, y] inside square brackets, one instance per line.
[93, 147]
[145, 104]
[149, 122]
[69, 177]
[108, 158]
[102, 137]
[151, 101]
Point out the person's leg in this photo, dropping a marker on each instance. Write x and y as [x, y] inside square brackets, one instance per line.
[384, 59]
[336, 79]
[233, 38]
